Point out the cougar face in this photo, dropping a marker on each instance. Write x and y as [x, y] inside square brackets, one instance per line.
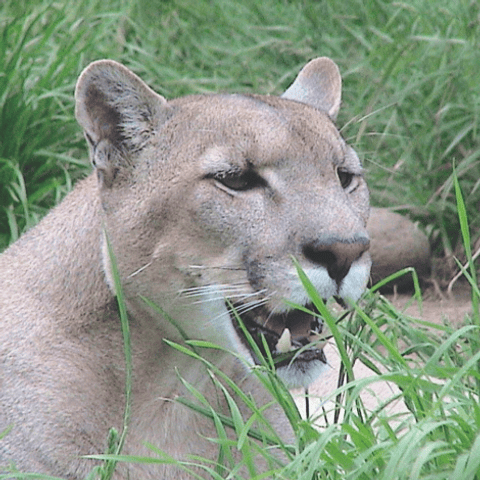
[259, 181]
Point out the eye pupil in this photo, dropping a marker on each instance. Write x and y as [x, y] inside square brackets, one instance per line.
[235, 182]
[344, 177]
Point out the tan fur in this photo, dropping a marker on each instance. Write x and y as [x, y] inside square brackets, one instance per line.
[202, 198]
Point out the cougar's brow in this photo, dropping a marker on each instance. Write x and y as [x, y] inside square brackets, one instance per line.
[348, 159]
[219, 159]
[353, 160]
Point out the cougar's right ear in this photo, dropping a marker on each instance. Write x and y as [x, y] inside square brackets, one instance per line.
[119, 113]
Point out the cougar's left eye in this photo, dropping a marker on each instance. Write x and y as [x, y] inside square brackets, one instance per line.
[344, 177]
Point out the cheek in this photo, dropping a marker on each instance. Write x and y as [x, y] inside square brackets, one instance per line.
[360, 202]
[220, 220]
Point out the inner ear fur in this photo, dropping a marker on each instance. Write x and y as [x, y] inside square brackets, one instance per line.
[117, 111]
[318, 84]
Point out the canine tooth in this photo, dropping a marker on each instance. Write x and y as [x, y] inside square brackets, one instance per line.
[284, 343]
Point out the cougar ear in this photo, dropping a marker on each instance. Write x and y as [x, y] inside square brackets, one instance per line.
[118, 113]
[319, 84]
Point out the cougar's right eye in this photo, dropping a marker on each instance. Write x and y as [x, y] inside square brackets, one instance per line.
[239, 181]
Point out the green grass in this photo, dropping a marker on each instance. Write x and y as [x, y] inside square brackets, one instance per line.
[436, 436]
[436, 367]
[411, 96]
[411, 105]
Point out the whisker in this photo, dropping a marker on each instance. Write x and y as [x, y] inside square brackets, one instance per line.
[215, 267]
[141, 269]
[246, 307]
[238, 292]
[243, 308]
[217, 285]
[226, 290]
[214, 299]
[194, 291]
[221, 296]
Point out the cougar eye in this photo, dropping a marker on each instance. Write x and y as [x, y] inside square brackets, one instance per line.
[344, 177]
[239, 181]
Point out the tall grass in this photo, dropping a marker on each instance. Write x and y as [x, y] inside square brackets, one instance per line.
[435, 436]
[42, 51]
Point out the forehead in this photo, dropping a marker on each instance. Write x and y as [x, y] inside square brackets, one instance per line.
[262, 127]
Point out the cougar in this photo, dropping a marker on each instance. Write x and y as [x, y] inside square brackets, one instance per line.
[204, 201]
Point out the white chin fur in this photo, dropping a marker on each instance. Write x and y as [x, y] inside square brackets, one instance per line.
[319, 278]
[354, 284]
[300, 375]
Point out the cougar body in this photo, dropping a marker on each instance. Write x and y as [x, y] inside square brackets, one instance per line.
[204, 201]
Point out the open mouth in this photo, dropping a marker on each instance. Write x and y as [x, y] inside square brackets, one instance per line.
[293, 336]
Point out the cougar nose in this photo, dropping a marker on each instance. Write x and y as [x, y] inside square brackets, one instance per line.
[336, 255]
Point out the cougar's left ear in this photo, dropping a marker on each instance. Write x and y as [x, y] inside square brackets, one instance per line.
[319, 84]
[118, 113]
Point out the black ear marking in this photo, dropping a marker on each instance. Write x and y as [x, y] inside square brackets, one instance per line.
[89, 139]
[105, 159]
[107, 120]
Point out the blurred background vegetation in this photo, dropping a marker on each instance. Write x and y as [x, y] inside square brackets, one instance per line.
[411, 101]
